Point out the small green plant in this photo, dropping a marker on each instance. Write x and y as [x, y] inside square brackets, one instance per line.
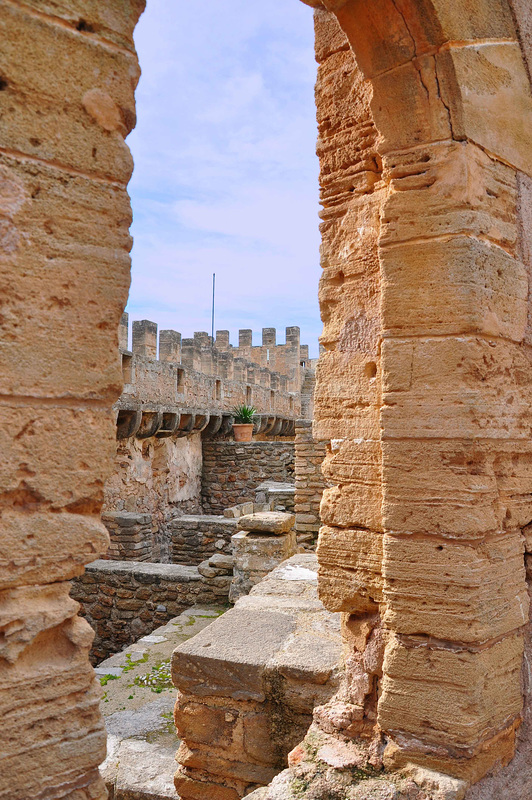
[104, 679]
[132, 664]
[243, 414]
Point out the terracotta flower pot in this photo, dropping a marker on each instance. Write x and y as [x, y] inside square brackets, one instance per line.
[242, 432]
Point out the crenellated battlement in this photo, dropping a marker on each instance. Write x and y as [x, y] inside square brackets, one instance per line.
[168, 379]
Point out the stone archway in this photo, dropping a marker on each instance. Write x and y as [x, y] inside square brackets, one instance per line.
[423, 389]
[423, 393]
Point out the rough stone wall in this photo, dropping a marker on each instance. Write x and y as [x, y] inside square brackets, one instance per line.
[157, 477]
[67, 76]
[310, 483]
[423, 388]
[131, 536]
[195, 537]
[232, 471]
[124, 600]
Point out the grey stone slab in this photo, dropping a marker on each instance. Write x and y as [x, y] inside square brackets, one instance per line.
[229, 657]
[108, 670]
[309, 658]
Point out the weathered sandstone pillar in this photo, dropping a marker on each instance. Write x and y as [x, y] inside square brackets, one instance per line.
[425, 147]
[67, 79]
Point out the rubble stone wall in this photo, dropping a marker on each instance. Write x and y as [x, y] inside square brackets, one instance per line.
[67, 78]
[232, 471]
[195, 537]
[124, 600]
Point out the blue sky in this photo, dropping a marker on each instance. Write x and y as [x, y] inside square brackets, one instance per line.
[226, 177]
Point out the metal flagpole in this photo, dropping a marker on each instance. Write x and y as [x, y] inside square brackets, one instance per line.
[212, 319]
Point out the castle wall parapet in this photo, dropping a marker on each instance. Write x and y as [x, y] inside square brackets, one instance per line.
[174, 386]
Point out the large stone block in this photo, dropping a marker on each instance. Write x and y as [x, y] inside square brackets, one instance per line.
[459, 388]
[350, 569]
[487, 90]
[458, 286]
[460, 189]
[56, 456]
[71, 311]
[98, 87]
[32, 547]
[250, 681]
[414, 112]
[267, 522]
[347, 395]
[49, 701]
[354, 467]
[457, 489]
[111, 23]
[244, 643]
[457, 591]
[451, 697]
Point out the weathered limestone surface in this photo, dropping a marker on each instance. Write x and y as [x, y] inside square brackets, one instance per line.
[68, 74]
[248, 684]
[267, 522]
[425, 146]
[156, 476]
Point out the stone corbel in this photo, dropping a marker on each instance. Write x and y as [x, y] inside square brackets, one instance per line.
[150, 423]
[127, 423]
[200, 422]
[169, 425]
[276, 430]
[215, 423]
[186, 424]
[227, 424]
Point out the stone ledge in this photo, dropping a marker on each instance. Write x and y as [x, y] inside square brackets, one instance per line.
[140, 569]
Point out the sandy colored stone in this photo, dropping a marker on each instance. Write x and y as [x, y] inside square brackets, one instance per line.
[350, 564]
[32, 474]
[46, 80]
[267, 522]
[461, 489]
[32, 546]
[484, 285]
[491, 103]
[453, 590]
[460, 189]
[41, 607]
[459, 388]
[439, 696]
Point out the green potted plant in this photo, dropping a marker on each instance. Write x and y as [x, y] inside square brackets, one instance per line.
[243, 422]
